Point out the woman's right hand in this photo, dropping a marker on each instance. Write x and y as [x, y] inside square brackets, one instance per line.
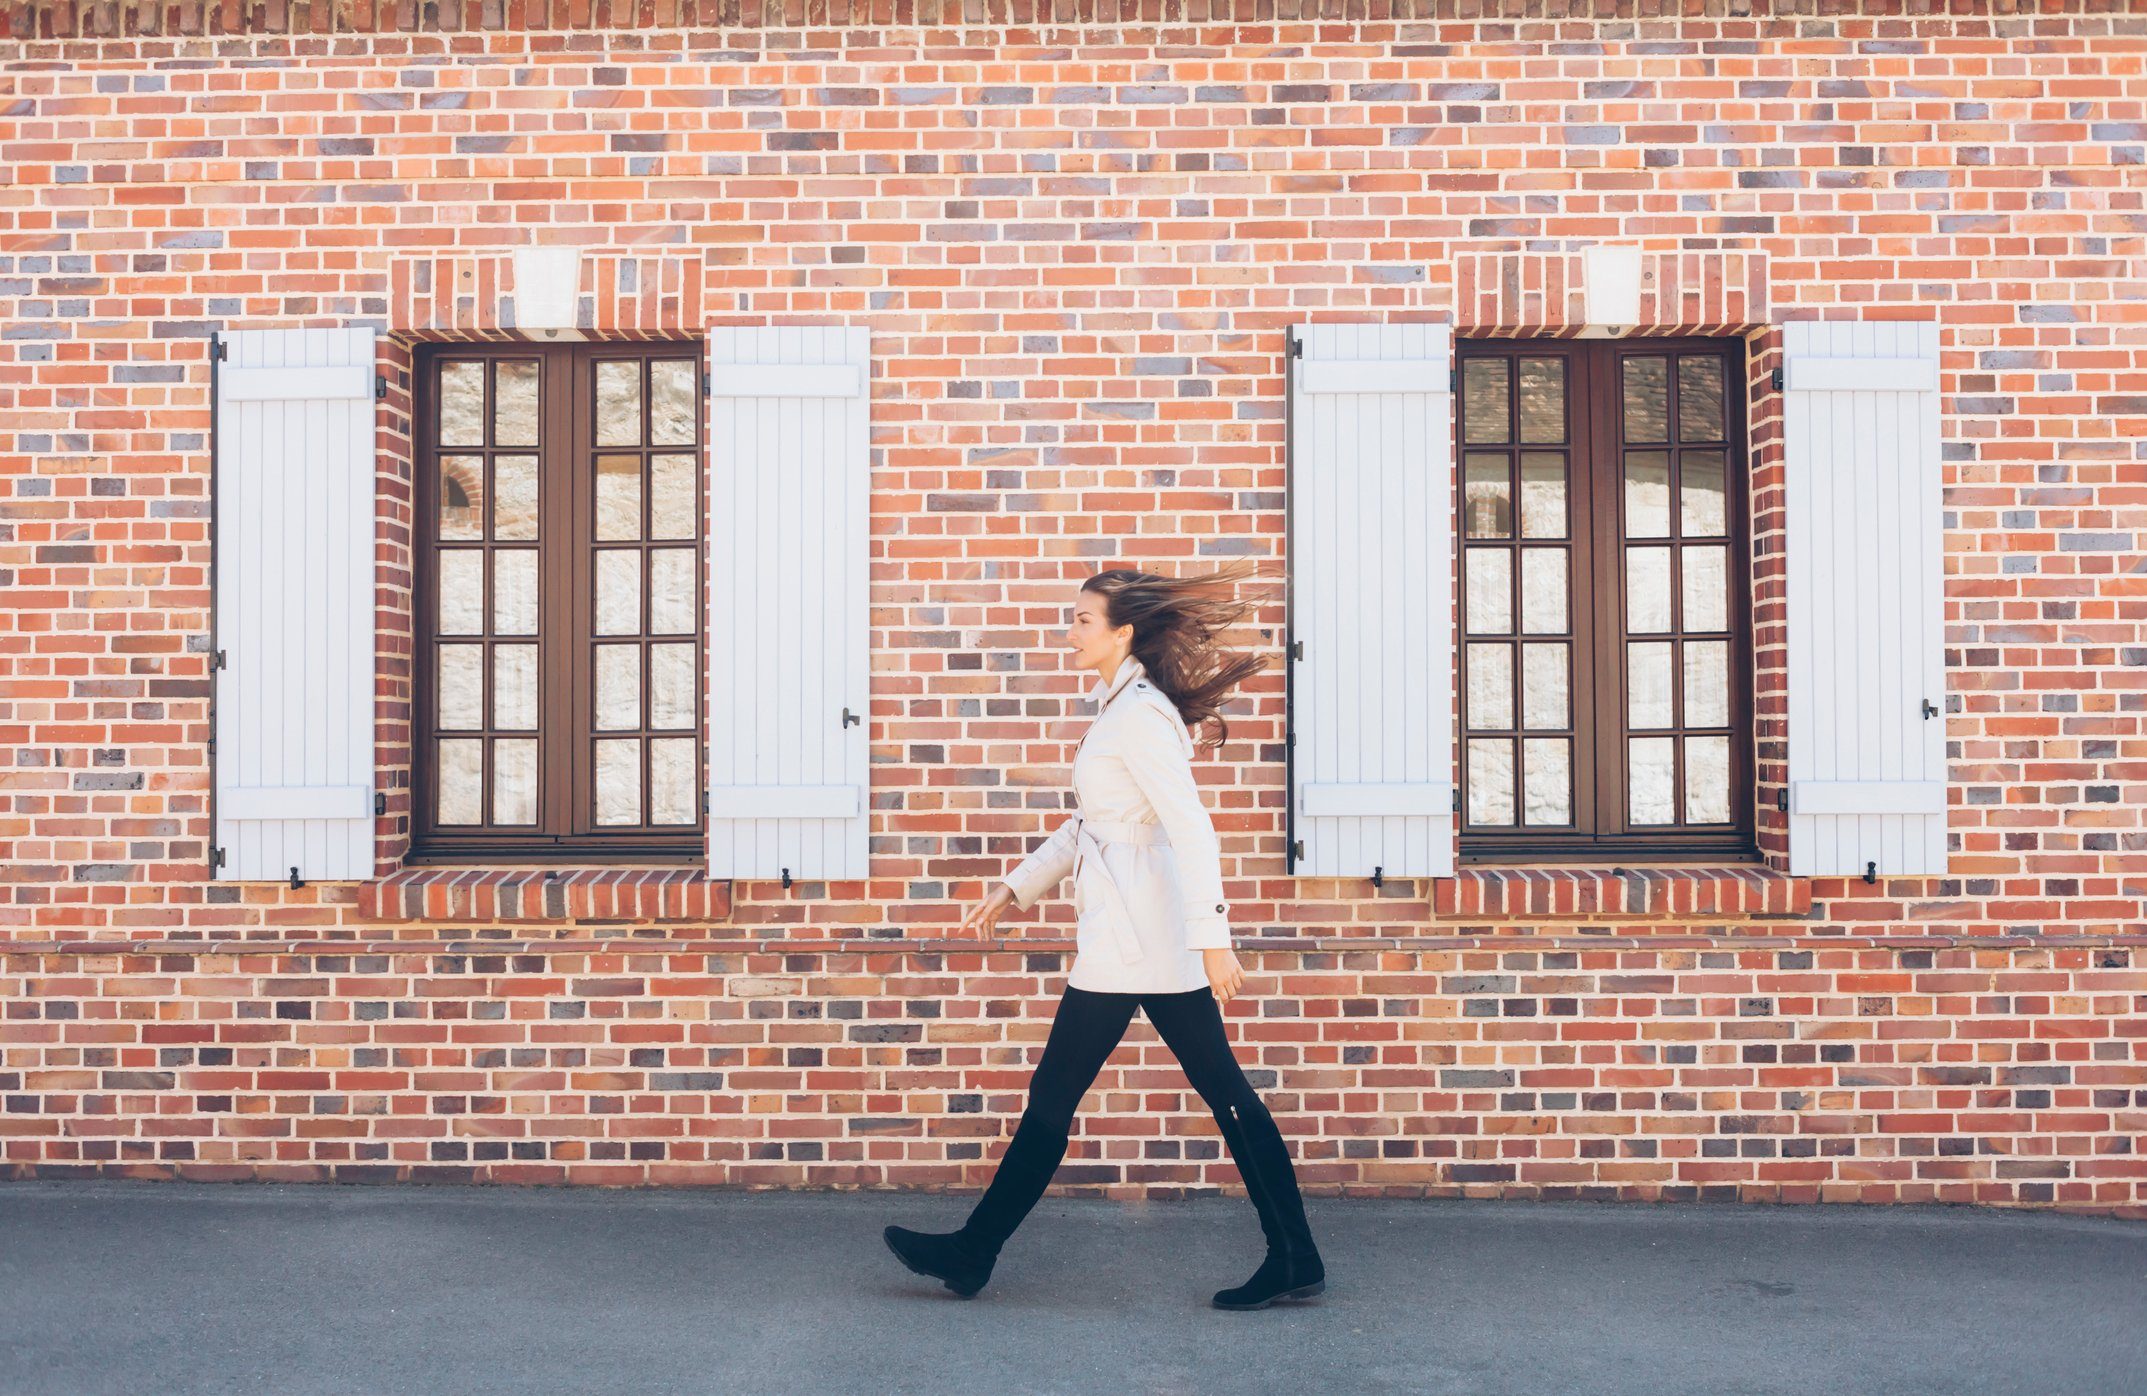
[983, 918]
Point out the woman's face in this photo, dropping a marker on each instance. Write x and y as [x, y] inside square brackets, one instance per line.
[1091, 636]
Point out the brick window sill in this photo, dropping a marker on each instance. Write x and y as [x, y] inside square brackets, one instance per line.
[1661, 891]
[499, 895]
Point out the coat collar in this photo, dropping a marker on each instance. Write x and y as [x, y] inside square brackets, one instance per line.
[1129, 669]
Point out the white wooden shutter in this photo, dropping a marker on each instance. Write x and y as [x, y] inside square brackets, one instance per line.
[1865, 541]
[1371, 547]
[294, 491]
[789, 490]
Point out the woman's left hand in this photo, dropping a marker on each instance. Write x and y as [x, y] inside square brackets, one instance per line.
[1225, 975]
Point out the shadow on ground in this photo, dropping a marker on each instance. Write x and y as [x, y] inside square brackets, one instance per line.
[115, 1286]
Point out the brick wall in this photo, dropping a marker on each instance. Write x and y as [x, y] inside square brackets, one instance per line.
[1077, 248]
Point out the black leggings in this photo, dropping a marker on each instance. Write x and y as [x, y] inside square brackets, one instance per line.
[1087, 1028]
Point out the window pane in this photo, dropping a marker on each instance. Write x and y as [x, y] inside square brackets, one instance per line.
[618, 403]
[514, 591]
[514, 406]
[1705, 511]
[461, 690]
[1485, 403]
[514, 781]
[462, 591]
[674, 401]
[674, 795]
[1699, 398]
[1545, 683]
[1490, 591]
[1647, 494]
[671, 608]
[671, 686]
[1543, 590]
[618, 591]
[514, 687]
[1707, 683]
[1652, 798]
[1706, 586]
[1490, 701]
[1647, 399]
[462, 781]
[1707, 780]
[618, 687]
[462, 403]
[1486, 497]
[1490, 780]
[618, 497]
[1547, 765]
[514, 497]
[462, 496]
[1543, 400]
[618, 780]
[671, 512]
[1543, 494]
[1647, 685]
[1647, 590]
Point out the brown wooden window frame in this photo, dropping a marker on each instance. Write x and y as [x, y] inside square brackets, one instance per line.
[566, 830]
[1596, 610]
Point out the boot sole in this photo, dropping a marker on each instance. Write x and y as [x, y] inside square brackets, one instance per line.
[1301, 1292]
[916, 1269]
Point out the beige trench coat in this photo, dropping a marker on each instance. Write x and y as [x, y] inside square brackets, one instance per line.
[1148, 886]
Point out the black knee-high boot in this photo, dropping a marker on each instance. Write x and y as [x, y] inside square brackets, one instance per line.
[963, 1259]
[1292, 1268]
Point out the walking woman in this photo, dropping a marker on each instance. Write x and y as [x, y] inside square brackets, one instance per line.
[1152, 927]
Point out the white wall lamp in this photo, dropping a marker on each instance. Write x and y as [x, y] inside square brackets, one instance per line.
[1610, 286]
[547, 281]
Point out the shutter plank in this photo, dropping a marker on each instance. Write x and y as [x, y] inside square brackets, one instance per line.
[1371, 501]
[294, 480]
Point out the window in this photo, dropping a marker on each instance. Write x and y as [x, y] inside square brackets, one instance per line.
[1606, 704]
[559, 599]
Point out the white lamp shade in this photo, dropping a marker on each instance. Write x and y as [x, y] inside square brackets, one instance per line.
[546, 280]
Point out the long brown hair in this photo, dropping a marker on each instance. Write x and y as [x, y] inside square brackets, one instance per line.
[1177, 624]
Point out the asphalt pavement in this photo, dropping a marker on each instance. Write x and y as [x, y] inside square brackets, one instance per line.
[170, 1288]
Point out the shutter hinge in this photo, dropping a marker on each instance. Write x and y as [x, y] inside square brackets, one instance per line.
[1929, 712]
[1779, 379]
[217, 348]
[1453, 378]
[1297, 850]
[1289, 740]
[218, 662]
[380, 803]
[1457, 799]
[1781, 799]
[708, 383]
[849, 717]
[294, 878]
[1871, 872]
[216, 857]
[1297, 649]
[1379, 875]
[1297, 348]
[380, 387]
[786, 877]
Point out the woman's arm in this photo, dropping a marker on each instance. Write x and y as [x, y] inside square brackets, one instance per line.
[1153, 753]
[1042, 870]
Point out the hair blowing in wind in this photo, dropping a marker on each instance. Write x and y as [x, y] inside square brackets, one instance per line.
[1178, 623]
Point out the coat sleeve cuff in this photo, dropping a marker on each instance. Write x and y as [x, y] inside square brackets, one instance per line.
[1025, 893]
[1207, 933]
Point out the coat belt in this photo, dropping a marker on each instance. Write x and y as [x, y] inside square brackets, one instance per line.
[1089, 837]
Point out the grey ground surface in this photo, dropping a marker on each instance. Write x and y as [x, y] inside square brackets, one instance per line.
[160, 1287]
